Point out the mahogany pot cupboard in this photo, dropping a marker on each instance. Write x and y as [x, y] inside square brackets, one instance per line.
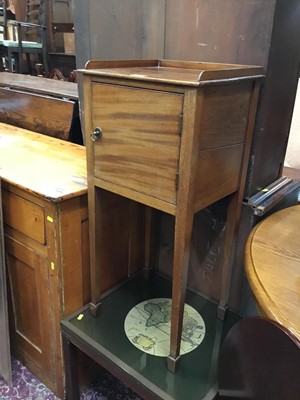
[165, 135]
[265, 33]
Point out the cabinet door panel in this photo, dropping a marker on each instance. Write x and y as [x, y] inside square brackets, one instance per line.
[139, 148]
[30, 317]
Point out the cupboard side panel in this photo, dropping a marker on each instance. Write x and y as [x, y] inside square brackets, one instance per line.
[224, 166]
[72, 256]
[224, 116]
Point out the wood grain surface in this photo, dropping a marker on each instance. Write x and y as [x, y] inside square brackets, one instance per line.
[51, 87]
[141, 138]
[171, 71]
[272, 263]
[43, 165]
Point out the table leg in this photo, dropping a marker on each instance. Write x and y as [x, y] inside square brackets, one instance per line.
[71, 369]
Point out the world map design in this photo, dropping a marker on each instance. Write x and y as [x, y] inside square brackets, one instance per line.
[148, 325]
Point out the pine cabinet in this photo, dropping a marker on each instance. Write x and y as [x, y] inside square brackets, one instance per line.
[45, 217]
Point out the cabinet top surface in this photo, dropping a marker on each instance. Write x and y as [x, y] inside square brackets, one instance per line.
[174, 72]
[47, 166]
[39, 85]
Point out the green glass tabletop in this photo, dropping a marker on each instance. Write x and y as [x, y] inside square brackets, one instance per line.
[197, 371]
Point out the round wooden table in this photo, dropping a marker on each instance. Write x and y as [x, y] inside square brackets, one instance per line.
[272, 263]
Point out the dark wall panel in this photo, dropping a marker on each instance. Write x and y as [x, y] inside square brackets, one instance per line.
[117, 29]
[278, 97]
[232, 31]
[82, 31]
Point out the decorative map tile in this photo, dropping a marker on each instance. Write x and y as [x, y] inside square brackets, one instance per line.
[148, 324]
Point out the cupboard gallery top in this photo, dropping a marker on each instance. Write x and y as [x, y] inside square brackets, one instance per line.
[174, 136]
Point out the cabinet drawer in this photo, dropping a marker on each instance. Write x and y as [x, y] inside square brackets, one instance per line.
[24, 216]
[139, 147]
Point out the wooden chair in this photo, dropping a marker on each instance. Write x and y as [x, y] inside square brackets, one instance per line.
[259, 360]
[29, 37]
[3, 20]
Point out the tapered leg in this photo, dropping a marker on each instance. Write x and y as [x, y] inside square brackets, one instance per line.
[233, 214]
[183, 232]
[148, 231]
[95, 304]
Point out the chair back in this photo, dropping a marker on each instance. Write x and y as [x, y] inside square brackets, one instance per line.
[36, 13]
[259, 360]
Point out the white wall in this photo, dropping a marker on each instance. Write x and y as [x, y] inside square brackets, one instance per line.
[292, 157]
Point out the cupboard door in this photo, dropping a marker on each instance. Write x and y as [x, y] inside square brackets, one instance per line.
[30, 317]
[139, 146]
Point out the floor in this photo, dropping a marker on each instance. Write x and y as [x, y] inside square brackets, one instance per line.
[28, 387]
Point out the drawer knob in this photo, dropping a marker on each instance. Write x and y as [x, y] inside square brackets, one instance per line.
[96, 135]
